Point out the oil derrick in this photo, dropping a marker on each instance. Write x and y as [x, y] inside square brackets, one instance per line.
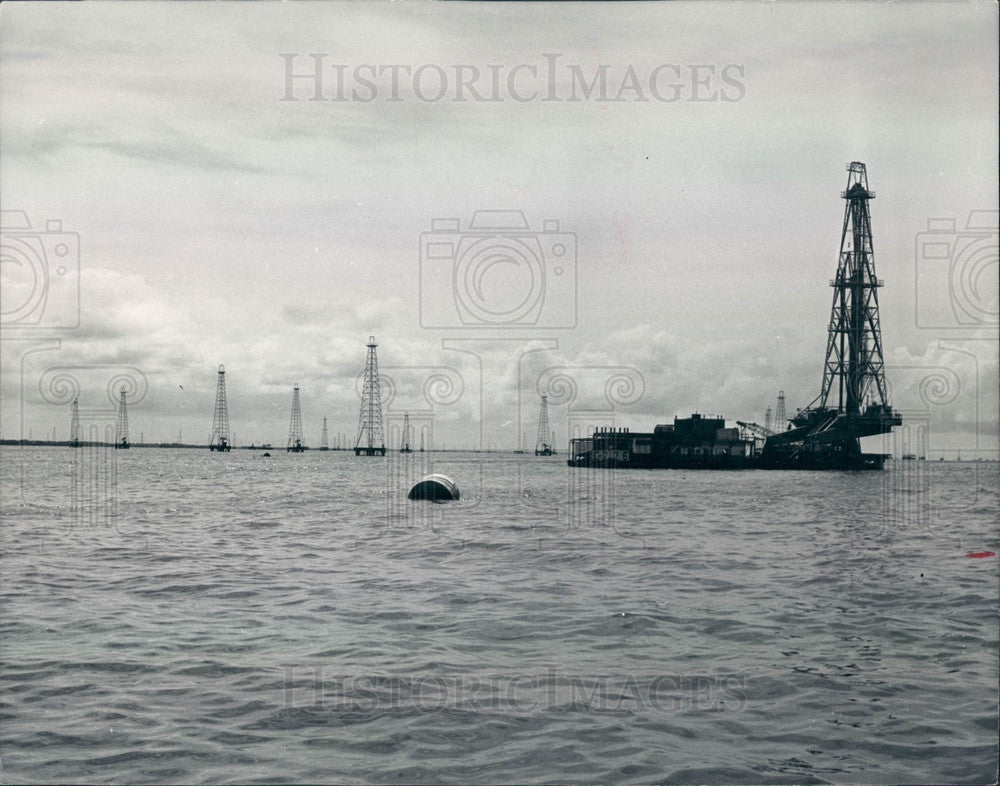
[543, 443]
[324, 440]
[74, 425]
[295, 426]
[121, 429]
[220, 441]
[371, 439]
[405, 442]
[780, 418]
[767, 419]
[852, 402]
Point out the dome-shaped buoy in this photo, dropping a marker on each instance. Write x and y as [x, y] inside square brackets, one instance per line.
[437, 488]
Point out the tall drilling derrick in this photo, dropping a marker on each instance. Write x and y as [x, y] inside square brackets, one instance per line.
[295, 425]
[543, 442]
[220, 439]
[371, 439]
[74, 425]
[404, 446]
[121, 429]
[852, 402]
[324, 440]
[780, 418]
[767, 419]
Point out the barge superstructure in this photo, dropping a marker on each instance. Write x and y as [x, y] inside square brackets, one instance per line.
[853, 400]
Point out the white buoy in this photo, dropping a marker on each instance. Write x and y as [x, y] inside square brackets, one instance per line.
[437, 488]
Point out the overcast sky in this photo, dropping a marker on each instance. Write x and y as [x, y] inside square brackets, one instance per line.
[219, 223]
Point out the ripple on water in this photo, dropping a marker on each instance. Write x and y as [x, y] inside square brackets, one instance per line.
[556, 636]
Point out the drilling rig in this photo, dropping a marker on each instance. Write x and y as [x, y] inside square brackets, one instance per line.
[371, 438]
[74, 425]
[543, 443]
[853, 402]
[295, 424]
[121, 428]
[219, 441]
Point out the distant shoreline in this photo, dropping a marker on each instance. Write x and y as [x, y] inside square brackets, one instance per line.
[42, 443]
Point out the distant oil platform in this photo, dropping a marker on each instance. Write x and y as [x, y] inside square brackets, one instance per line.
[121, 427]
[405, 440]
[324, 440]
[371, 437]
[544, 443]
[852, 402]
[295, 424]
[219, 441]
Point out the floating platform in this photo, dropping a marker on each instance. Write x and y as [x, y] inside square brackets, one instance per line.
[821, 442]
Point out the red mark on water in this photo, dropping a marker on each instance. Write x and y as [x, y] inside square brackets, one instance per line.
[981, 554]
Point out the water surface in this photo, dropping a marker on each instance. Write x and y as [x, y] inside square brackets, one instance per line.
[181, 616]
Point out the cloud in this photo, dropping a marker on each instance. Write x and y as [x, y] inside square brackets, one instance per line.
[219, 224]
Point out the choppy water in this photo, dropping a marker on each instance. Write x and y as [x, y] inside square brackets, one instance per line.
[175, 615]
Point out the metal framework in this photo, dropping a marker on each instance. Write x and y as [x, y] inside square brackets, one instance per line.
[543, 442]
[295, 426]
[324, 440]
[854, 372]
[74, 424]
[405, 441]
[121, 429]
[220, 439]
[767, 419]
[852, 402]
[371, 437]
[780, 418]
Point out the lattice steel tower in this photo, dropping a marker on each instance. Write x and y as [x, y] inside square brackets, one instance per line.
[767, 419]
[324, 440]
[220, 439]
[404, 445]
[74, 425]
[780, 418]
[852, 403]
[371, 438]
[295, 426]
[543, 443]
[121, 430]
[854, 373]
